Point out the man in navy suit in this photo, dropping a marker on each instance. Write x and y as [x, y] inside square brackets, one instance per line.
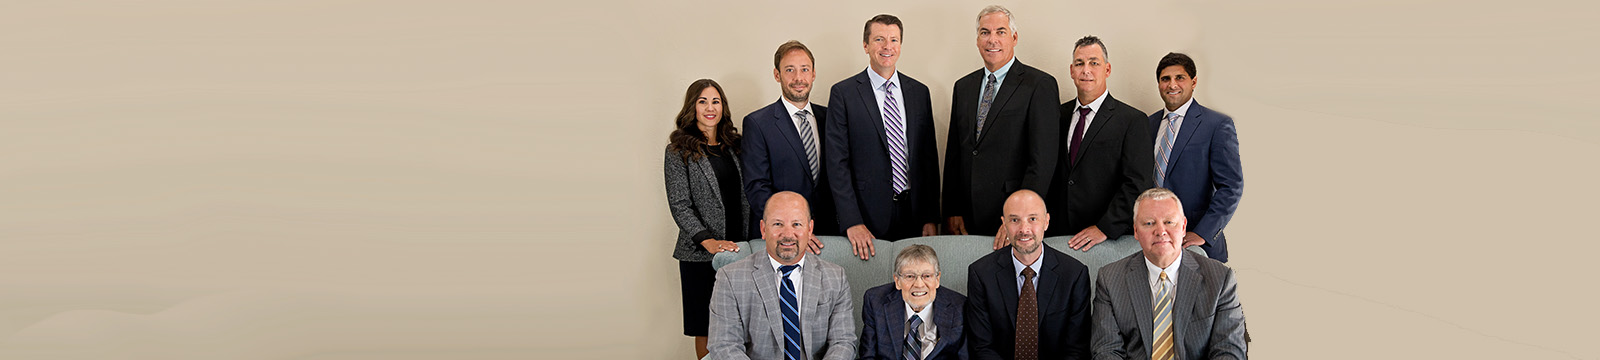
[881, 158]
[1027, 300]
[913, 317]
[783, 143]
[1202, 165]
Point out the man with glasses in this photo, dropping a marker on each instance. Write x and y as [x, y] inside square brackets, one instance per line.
[913, 317]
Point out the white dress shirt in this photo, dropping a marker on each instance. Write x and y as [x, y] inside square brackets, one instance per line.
[793, 277]
[1183, 112]
[899, 99]
[1038, 264]
[1155, 278]
[1094, 108]
[928, 333]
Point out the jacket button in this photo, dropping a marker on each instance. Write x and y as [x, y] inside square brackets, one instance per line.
[1069, 182]
[974, 153]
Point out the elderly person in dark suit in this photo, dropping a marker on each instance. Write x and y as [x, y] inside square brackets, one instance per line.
[1164, 303]
[705, 194]
[913, 317]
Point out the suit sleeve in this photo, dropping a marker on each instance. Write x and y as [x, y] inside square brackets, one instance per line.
[757, 167]
[1044, 131]
[1107, 339]
[842, 324]
[1227, 329]
[869, 329]
[836, 158]
[1227, 178]
[956, 194]
[980, 335]
[727, 334]
[1078, 321]
[678, 196]
[1138, 162]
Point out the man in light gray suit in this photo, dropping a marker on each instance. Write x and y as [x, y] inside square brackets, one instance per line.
[783, 305]
[1162, 302]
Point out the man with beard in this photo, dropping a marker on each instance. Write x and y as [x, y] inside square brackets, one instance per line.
[783, 305]
[1027, 300]
[783, 143]
[881, 157]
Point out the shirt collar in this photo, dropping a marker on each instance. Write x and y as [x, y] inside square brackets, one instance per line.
[1017, 266]
[793, 109]
[878, 80]
[1000, 75]
[1183, 110]
[1155, 271]
[926, 314]
[1094, 106]
[776, 265]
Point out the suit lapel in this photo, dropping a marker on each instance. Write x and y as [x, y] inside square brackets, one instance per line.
[1191, 122]
[1008, 285]
[895, 311]
[810, 302]
[1008, 86]
[1047, 289]
[944, 316]
[1138, 285]
[1183, 306]
[766, 279]
[704, 167]
[1101, 119]
[786, 127]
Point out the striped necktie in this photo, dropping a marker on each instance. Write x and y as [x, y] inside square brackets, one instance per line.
[1165, 151]
[809, 141]
[791, 316]
[1163, 334]
[913, 340]
[896, 130]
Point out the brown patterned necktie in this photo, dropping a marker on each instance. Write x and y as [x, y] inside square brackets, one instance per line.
[1027, 346]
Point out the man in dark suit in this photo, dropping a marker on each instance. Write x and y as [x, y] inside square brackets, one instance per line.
[1163, 302]
[882, 162]
[913, 317]
[1103, 163]
[783, 143]
[1003, 130]
[1197, 156]
[1027, 300]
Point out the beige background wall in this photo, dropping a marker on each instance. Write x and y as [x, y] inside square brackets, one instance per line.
[482, 180]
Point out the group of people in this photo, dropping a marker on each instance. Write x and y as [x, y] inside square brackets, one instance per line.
[866, 167]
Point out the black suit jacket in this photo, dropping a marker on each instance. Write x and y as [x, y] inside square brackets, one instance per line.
[883, 324]
[857, 156]
[1114, 166]
[1017, 149]
[1063, 296]
[775, 160]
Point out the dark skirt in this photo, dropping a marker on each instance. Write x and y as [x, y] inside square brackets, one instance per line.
[697, 278]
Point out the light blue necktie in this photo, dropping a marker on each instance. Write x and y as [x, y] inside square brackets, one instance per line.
[1165, 151]
[791, 316]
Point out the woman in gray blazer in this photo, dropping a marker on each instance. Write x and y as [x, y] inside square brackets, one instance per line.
[706, 196]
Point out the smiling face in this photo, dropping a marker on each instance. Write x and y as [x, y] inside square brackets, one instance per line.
[882, 46]
[1089, 71]
[918, 282]
[794, 73]
[787, 220]
[708, 108]
[1176, 86]
[1159, 227]
[1025, 220]
[997, 41]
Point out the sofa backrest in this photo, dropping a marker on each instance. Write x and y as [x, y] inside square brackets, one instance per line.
[956, 252]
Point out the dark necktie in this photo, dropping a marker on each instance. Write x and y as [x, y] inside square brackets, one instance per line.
[913, 340]
[1077, 134]
[983, 106]
[791, 316]
[1027, 345]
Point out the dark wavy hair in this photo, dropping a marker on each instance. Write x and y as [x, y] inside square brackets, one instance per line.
[686, 138]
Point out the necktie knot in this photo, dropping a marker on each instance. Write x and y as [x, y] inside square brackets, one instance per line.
[1083, 111]
[1172, 116]
[803, 114]
[1027, 273]
[1163, 276]
[916, 321]
[991, 79]
[786, 269]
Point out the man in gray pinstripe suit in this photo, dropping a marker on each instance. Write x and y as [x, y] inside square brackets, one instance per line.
[751, 312]
[1163, 302]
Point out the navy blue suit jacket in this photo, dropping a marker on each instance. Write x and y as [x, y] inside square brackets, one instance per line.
[1063, 297]
[775, 160]
[1205, 173]
[883, 324]
[857, 158]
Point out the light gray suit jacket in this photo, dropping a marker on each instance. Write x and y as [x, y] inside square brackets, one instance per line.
[696, 204]
[1208, 322]
[747, 323]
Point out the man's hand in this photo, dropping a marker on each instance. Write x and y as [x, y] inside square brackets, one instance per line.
[1087, 238]
[956, 226]
[715, 246]
[1001, 240]
[861, 241]
[1193, 239]
[930, 229]
[813, 245]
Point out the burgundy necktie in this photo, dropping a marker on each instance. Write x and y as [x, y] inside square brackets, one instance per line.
[1027, 345]
[1077, 134]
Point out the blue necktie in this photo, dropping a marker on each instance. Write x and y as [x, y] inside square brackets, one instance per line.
[914, 340]
[1165, 149]
[791, 316]
[896, 132]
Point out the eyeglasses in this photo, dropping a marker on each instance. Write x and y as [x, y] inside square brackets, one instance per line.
[927, 277]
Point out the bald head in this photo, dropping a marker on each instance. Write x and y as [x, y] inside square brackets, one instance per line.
[1024, 197]
[787, 200]
[787, 220]
[1025, 220]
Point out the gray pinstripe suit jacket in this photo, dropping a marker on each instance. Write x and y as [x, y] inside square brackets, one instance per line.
[747, 323]
[1208, 322]
[696, 204]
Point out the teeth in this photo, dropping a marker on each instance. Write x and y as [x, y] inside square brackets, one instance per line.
[919, 293]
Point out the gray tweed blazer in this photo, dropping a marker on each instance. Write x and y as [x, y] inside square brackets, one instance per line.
[696, 204]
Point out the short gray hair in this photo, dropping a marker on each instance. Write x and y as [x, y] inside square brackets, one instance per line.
[916, 252]
[1156, 194]
[1011, 21]
[1105, 54]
